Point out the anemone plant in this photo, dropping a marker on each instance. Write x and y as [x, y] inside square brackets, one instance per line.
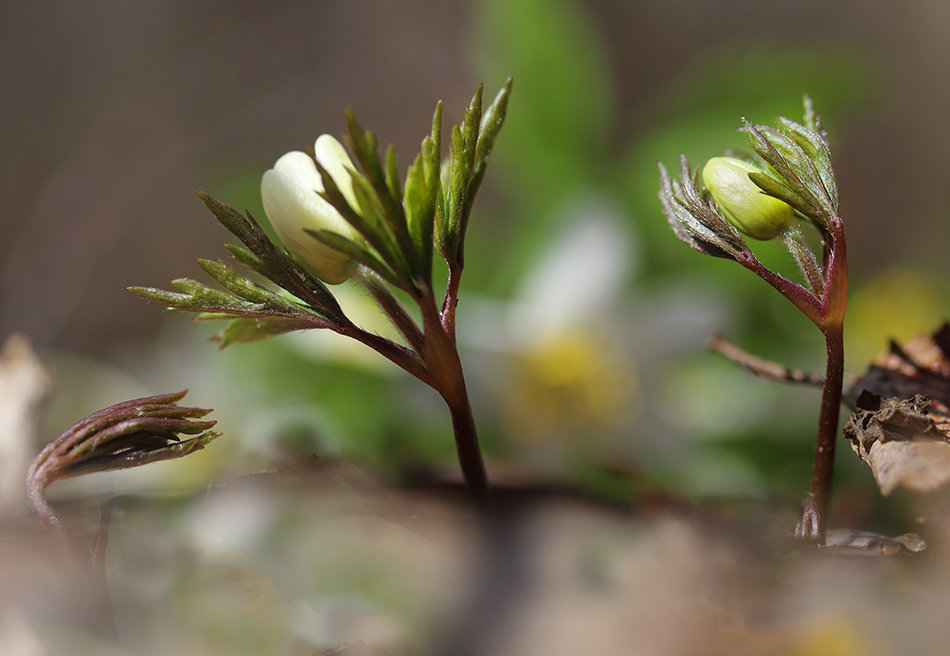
[787, 184]
[339, 220]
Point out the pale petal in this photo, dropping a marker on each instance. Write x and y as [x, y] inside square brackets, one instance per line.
[290, 199]
[333, 157]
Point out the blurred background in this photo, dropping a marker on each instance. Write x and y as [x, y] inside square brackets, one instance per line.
[582, 318]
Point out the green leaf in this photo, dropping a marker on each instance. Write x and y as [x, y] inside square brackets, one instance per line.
[695, 222]
[816, 148]
[790, 161]
[257, 328]
[355, 252]
[201, 298]
[271, 262]
[813, 121]
[797, 158]
[780, 190]
[386, 201]
[365, 219]
[464, 138]
[370, 207]
[488, 130]
[236, 283]
[210, 303]
[244, 256]
[769, 151]
[363, 143]
[392, 174]
[172, 300]
[422, 193]
[419, 206]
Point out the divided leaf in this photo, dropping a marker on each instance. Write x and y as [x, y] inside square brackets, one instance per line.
[271, 262]
[471, 145]
[382, 190]
[422, 193]
[695, 221]
[464, 138]
[801, 159]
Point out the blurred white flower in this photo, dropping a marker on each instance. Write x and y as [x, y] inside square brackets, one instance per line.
[581, 275]
[570, 375]
[289, 192]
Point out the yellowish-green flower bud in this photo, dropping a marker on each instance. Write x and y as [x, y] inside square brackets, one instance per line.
[292, 204]
[744, 205]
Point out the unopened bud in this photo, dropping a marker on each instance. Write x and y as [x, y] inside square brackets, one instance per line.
[741, 202]
[289, 192]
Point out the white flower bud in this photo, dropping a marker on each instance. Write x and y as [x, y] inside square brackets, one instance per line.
[741, 202]
[292, 204]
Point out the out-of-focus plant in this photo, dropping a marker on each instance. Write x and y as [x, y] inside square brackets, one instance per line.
[790, 182]
[341, 221]
[124, 435]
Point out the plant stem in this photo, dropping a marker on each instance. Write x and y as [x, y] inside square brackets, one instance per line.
[450, 301]
[394, 310]
[800, 297]
[795, 242]
[466, 444]
[812, 523]
[759, 367]
[408, 360]
[446, 376]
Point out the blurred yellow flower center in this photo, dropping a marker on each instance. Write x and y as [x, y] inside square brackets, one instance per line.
[572, 385]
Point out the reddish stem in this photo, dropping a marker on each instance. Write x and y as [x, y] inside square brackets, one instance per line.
[798, 295]
[466, 445]
[450, 302]
[446, 376]
[812, 522]
[828, 315]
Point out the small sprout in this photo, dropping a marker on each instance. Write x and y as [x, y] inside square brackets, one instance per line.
[124, 435]
[291, 196]
[742, 202]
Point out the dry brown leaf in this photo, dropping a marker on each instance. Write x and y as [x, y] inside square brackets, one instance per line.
[901, 425]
